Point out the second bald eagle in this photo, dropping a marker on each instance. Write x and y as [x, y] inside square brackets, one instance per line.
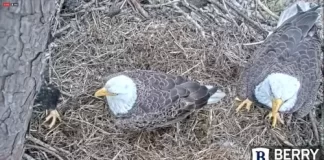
[284, 74]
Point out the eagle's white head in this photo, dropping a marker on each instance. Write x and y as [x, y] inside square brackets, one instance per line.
[121, 94]
[278, 91]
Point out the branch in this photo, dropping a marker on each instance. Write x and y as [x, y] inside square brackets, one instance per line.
[314, 125]
[190, 19]
[265, 8]
[161, 5]
[46, 150]
[139, 8]
[254, 24]
[39, 142]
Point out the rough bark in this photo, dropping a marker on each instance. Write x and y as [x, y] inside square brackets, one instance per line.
[24, 34]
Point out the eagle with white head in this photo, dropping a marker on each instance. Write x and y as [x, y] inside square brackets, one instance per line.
[284, 73]
[145, 100]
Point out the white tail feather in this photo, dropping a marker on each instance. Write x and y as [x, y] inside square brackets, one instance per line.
[216, 97]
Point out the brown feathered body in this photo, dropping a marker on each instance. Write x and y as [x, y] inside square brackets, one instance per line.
[293, 49]
[162, 99]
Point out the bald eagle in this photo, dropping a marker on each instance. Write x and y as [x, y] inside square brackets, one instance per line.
[145, 100]
[284, 73]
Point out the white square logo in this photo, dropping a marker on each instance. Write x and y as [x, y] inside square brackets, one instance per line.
[260, 154]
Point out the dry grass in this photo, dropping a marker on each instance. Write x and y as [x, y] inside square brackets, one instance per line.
[167, 42]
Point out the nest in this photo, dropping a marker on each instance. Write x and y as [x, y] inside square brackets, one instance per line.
[101, 42]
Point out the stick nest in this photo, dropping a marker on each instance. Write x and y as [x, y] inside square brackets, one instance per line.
[104, 37]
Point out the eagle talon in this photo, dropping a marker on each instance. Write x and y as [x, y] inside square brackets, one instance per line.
[275, 117]
[247, 103]
[54, 115]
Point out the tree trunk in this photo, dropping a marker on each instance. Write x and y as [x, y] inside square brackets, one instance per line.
[24, 35]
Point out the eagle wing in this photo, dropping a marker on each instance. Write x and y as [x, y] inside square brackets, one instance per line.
[309, 63]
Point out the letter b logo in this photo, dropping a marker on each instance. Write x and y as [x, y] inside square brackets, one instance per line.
[260, 154]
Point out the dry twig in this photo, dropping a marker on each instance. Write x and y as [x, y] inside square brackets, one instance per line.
[39, 142]
[57, 16]
[254, 43]
[139, 8]
[265, 8]
[112, 11]
[196, 10]
[254, 24]
[161, 5]
[45, 149]
[58, 32]
[202, 32]
[282, 138]
[314, 125]
[225, 10]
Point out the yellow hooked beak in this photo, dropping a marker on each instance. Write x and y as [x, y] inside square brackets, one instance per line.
[103, 92]
[276, 104]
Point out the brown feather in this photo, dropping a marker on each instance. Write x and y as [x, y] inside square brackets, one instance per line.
[292, 49]
[161, 99]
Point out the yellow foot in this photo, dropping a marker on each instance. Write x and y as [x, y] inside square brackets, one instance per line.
[54, 115]
[247, 103]
[276, 117]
